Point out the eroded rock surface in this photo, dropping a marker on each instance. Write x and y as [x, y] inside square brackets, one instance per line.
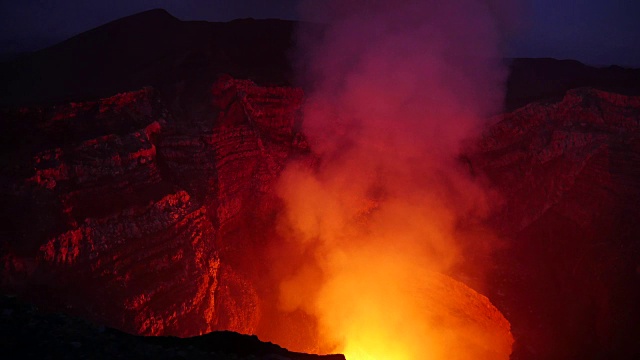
[140, 216]
[120, 213]
[569, 181]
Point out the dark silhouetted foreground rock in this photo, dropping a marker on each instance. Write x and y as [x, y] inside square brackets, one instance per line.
[26, 333]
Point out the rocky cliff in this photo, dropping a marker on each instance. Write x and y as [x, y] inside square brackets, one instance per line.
[124, 216]
[148, 210]
[567, 173]
[121, 213]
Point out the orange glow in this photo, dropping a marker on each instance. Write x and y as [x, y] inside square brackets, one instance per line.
[375, 285]
[379, 226]
[443, 319]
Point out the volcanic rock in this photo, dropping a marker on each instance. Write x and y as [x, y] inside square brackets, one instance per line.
[28, 333]
[138, 228]
[182, 58]
[567, 174]
[532, 80]
[152, 48]
[140, 222]
[148, 210]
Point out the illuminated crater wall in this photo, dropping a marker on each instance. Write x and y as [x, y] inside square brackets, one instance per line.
[345, 219]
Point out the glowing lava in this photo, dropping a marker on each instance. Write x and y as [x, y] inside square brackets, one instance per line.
[374, 280]
[387, 310]
[443, 320]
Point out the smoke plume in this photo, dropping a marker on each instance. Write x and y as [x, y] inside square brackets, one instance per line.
[396, 88]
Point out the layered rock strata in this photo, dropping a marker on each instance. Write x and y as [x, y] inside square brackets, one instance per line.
[125, 215]
[142, 213]
[568, 179]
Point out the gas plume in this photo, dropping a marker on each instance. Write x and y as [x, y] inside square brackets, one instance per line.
[388, 211]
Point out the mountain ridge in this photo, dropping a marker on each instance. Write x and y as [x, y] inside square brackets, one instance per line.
[154, 48]
[104, 167]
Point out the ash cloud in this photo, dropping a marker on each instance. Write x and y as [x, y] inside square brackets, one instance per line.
[396, 89]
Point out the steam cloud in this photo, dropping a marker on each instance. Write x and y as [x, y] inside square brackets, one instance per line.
[397, 88]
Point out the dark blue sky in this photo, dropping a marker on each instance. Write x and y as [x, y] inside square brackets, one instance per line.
[598, 32]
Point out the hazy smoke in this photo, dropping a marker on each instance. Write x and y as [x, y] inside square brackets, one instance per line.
[397, 87]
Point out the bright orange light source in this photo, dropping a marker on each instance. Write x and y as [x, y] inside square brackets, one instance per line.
[373, 277]
[445, 319]
[398, 313]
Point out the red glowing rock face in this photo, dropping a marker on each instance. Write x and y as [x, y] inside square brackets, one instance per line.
[126, 216]
[141, 213]
[568, 177]
[543, 153]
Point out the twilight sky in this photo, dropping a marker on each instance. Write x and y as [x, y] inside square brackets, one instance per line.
[598, 32]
